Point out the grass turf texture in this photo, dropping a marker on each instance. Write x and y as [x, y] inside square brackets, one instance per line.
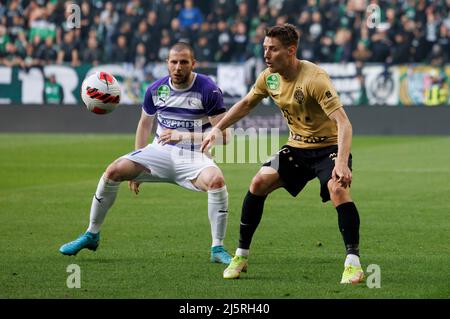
[156, 244]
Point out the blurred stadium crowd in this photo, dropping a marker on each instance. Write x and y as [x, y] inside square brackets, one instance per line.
[36, 32]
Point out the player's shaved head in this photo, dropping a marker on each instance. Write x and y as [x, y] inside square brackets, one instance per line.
[287, 34]
[181, 46]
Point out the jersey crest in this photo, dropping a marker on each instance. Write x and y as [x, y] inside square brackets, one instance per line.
[299, 96]
[163, 92]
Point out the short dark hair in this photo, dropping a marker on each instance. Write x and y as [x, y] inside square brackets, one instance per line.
[286, 33]
[180, 46]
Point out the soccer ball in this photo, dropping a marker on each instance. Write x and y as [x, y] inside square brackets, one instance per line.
[100, 93]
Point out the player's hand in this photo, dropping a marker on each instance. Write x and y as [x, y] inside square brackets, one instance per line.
[134, 186]
[342, 174]
[210, 139]
[170, 136]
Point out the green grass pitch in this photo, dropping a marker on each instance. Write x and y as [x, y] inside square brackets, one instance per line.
[156, 244]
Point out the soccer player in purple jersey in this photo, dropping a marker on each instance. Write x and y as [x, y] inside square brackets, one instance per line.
[185, 105]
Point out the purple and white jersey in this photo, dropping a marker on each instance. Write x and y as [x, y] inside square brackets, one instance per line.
[186, 109]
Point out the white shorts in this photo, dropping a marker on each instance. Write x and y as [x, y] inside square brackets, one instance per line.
[170, 164]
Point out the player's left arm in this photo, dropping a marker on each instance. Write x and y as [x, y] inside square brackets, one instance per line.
[341, 171]
[323, 91]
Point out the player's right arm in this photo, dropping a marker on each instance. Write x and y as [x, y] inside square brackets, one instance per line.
[143, 130]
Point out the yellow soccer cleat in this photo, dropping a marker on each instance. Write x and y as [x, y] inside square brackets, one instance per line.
[352, 275]
[238, 264]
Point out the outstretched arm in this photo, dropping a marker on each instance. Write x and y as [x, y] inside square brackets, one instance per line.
[176, 136]
[226, 134]
[236, 112]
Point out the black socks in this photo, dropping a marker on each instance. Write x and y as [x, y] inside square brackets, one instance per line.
[348, 221]
[252, 210]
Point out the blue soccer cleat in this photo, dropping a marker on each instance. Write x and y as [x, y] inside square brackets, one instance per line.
[87, 240]
[220, 255]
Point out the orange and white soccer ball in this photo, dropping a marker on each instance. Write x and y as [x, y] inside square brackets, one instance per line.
[100, 92]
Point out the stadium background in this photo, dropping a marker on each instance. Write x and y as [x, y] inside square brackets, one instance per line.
[377, 52]
[393, 79]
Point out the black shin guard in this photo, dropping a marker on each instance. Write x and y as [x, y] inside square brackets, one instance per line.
[348, 221]
[252, 210]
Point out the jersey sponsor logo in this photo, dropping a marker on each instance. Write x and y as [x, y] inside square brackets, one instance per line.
[273, 81]
[308, 139]
[173, 124]
[299, 96]
[163, 92]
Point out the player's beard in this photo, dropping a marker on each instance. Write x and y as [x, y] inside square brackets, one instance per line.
[180, 79]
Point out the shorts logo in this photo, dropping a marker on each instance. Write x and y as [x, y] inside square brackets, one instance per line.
[299, 96]
[333, 156]
[273, 82]
[163, 92]
[328, 94]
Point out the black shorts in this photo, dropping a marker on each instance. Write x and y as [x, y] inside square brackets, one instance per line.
[297, 167]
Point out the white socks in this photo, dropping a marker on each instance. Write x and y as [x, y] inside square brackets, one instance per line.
[353, 260]
[218, 214]
[242, 252]
[103, 199]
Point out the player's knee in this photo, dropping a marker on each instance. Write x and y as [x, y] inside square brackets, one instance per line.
[217, 181]
[259, 186]
[339, 194]
[113, 172]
